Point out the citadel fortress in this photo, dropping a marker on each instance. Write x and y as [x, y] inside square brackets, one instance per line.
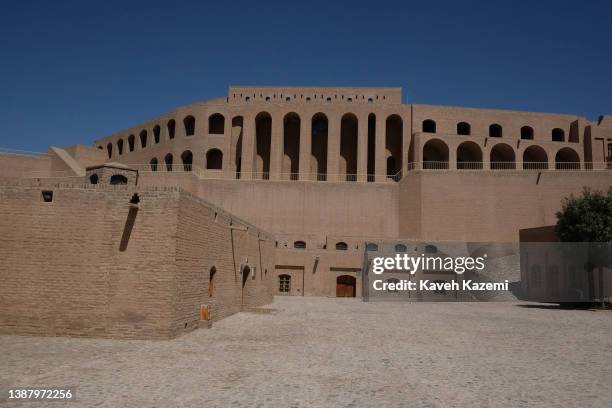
[218, 206]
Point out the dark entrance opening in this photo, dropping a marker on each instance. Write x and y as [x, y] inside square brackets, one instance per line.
[245, 275]
[346, 286]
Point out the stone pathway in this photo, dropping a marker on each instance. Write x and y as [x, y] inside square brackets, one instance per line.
[319, 352]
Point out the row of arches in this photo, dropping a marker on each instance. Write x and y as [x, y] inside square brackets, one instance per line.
[216, 125]
[502, 156]
[318, 144]
[435, 156]
[214, 161]
[495, 130]
[372, 247]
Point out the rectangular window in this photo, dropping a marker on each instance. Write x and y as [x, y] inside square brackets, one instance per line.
[47, 196]
[284, 283]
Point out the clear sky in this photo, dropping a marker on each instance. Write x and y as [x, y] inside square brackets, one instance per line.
[74, 71]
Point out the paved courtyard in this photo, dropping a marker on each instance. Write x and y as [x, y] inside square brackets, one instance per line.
[317, 352]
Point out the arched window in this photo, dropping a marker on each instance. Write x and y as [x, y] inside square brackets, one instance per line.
[429, 126]
[131, 142]
[214, 159]
[431, 249]
[156, 133]
[216, 124]
[464, 128]
[558, 135]
[118, 179]
[143, 139]
[189, 123]
[187, 159]
[153, 164]
[211, 281]
[109, 150]
[469, 156]
[171, 128]
[284, 283]
[371, 247]
[168, 160]
[401, 248]
[93, 179]
[299, 245]
[120, 146]
[435, 155]
[527, 133]
[567, 159]
[341, 246]
[495, 130]
[535, 158]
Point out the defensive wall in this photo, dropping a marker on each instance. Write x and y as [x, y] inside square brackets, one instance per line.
[124, 261]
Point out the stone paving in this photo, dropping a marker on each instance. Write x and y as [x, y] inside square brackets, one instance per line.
[319, 352]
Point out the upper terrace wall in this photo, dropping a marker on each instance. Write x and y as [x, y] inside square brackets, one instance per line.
[272, 139]
[481, 206]
[331, 134]
[89, 263]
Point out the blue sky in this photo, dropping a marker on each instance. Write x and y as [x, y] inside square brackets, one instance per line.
[74, 71]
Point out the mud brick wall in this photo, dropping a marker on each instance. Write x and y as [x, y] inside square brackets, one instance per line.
[89, 263]
[209, 239]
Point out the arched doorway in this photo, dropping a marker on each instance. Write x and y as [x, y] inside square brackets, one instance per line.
[187, 159]
[263, 138]
[502, 157]
[291, 146]
[346, 286]
[318, 146]
[567, 159]
[393, 145]
[435, 155]
[469, 156]
[214, 159]
[348, 147]
[535, 158]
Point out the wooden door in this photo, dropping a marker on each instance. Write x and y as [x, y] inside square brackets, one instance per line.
[346, 286]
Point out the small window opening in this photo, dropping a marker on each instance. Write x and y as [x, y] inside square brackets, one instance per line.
[118, 179]
[47, 196]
